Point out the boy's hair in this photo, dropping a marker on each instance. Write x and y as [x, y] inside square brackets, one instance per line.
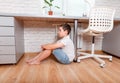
[66, 27]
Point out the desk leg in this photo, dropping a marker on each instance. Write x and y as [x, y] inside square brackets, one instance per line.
[75, 38]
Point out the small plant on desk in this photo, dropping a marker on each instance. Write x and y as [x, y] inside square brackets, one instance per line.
[49, 4]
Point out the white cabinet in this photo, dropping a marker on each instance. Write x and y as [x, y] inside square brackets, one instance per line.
[11, 40]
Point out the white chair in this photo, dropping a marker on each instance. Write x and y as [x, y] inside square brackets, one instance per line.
[100, 21]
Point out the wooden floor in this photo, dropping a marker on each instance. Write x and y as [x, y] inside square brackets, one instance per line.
[50, 71]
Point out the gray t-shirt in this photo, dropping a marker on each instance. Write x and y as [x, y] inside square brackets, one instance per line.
[68, 47]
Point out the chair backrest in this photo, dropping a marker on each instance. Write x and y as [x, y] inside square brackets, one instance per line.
[101, 19]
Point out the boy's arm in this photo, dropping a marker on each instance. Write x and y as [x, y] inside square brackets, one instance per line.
[52, 46]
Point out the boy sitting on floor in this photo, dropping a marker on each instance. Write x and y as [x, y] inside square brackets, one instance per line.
[63, 49]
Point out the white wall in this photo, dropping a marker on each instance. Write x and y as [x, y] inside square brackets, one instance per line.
[37, 33]
[110, 3]
[21, 6]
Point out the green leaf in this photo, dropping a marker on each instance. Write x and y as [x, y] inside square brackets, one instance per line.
[44, 7]
[47, 2]
[57, 7]
[51, 0]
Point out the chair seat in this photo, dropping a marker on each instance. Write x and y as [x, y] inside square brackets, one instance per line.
[88, 32]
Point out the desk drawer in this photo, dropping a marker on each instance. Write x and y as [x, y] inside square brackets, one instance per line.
[6, 21]
[7, 49]
[6, 31]
[5, 59]
[7, 41]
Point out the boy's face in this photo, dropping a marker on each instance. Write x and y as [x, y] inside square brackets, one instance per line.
[61, 32]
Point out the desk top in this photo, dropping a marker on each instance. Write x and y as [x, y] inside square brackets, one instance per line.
[39, 16]
[53, 18]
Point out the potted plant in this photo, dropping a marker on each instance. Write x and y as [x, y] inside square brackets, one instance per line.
[49, 4]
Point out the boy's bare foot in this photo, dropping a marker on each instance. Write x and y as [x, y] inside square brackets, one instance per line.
[30, 60]
[34, 63]
[33, 59]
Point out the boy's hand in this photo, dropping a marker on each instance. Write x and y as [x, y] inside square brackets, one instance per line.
[43, 47]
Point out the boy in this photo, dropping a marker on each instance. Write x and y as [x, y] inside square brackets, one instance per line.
[63, 49]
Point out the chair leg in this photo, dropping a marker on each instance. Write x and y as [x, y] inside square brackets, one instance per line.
[102, 63]
[104, 56]
[83, 53]
[84, 57]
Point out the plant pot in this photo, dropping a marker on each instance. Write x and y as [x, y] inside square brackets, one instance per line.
[50, 12]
